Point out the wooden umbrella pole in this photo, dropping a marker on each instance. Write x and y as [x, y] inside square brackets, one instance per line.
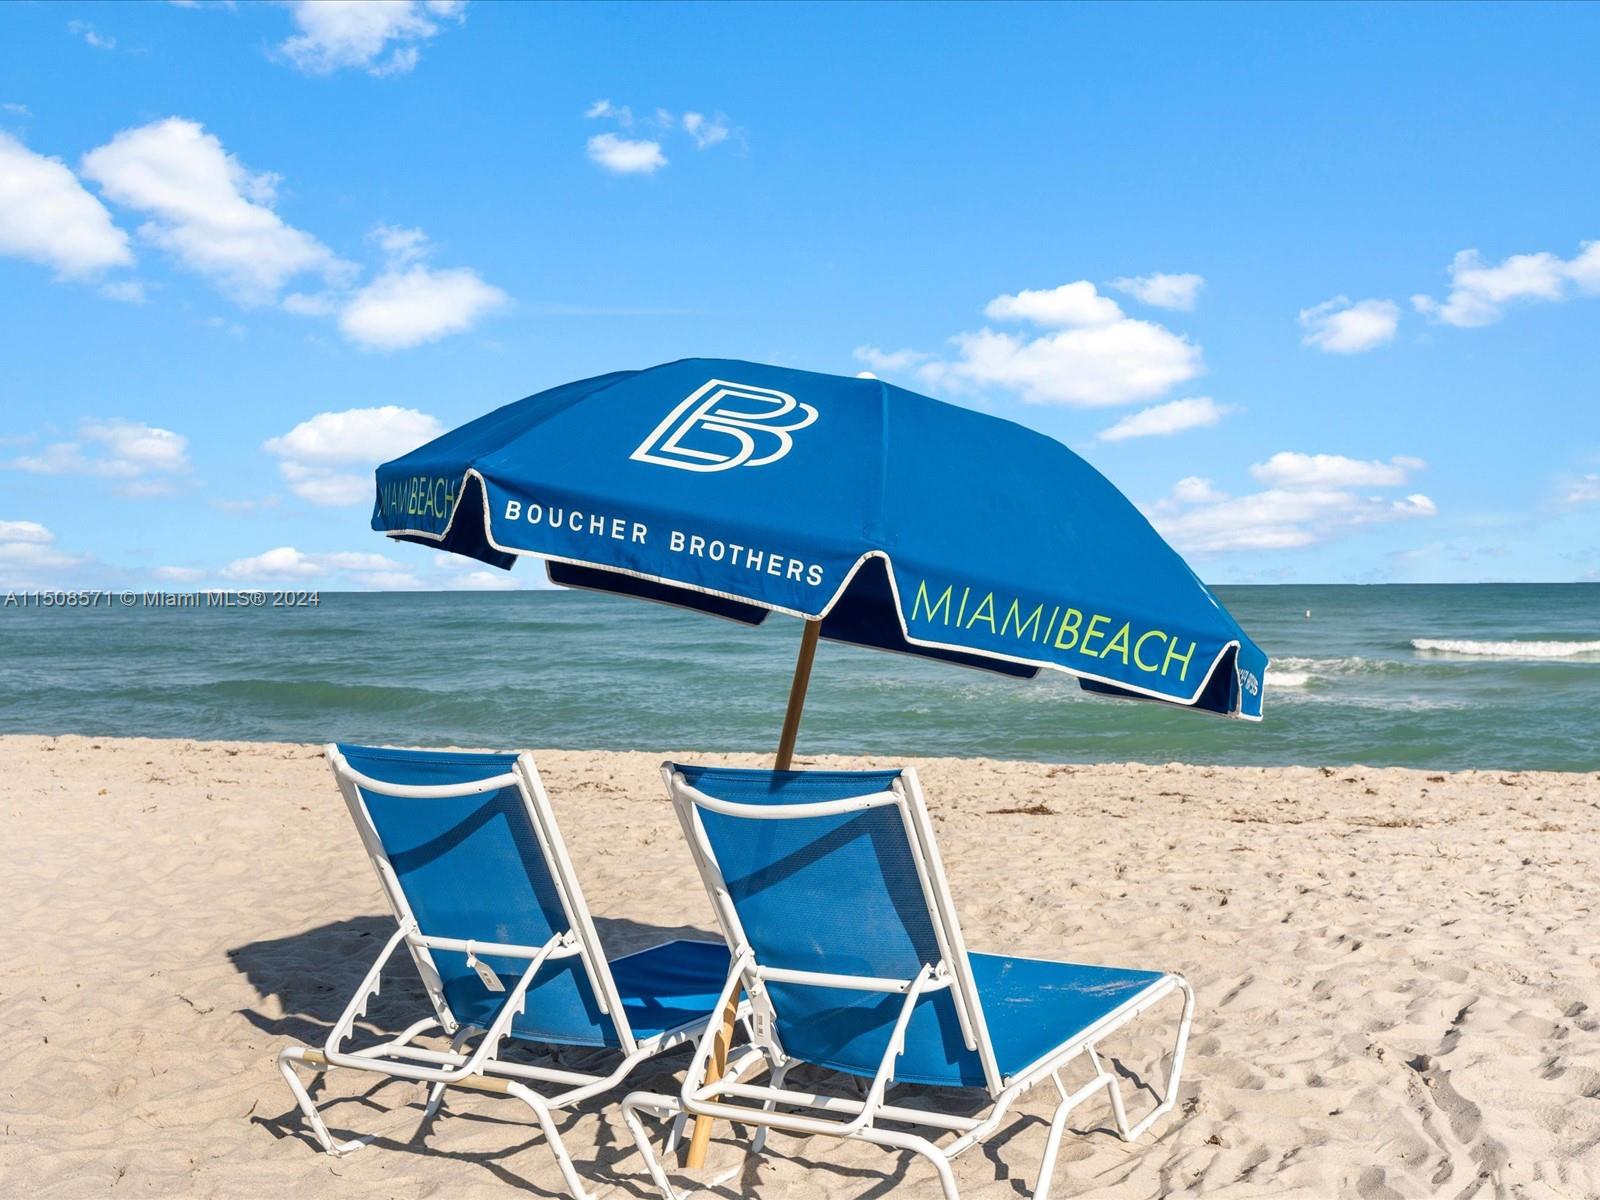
[701, 1140]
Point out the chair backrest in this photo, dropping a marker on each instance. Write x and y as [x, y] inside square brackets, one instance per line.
[836, 874]
[467, 847]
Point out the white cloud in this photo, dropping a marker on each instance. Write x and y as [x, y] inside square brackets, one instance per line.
[383, 37]
[1583, 491]
[146, 460]
[706, 131]
[1163, 420]
[90, 36]
[329, 458]
[29, 557]
[1415, 505]
[400, 244]
[626, 156]
[482, 581]
[1342, 326]
[889, 361]
[47, 217]
[1100, 358]
[1480, 292]
[285, 564]
[644, 155]
[15, 109]
[1308, 501]
[1288, 469]
[25, 531]
[208, 210]
[604, 109]
[1071, 304]
[406, 307]
[282, 563]
[1161, 290]
[1194, 490]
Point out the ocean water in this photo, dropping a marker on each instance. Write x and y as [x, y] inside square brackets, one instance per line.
[1491, 676]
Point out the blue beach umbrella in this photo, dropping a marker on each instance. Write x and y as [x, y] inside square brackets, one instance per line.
[881, 517]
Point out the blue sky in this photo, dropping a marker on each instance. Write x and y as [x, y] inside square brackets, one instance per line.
[1319, 287]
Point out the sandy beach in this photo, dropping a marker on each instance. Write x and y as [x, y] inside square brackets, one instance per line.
[1398, 977]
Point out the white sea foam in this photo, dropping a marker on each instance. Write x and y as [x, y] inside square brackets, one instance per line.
[1352, 664]
[1287, 679]
[1528, 649]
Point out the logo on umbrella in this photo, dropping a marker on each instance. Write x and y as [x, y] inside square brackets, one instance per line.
[715, 429]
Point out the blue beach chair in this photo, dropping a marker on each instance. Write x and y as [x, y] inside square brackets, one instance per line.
[833, 899]
[485, 898]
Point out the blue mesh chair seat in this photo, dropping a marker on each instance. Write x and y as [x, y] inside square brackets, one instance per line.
[1031, 1007]
[487, 902]
[664, 988]
[833, 899]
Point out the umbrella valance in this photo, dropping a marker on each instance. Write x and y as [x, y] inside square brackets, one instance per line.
[897, 521]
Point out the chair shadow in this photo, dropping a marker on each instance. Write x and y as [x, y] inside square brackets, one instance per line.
[306, 979]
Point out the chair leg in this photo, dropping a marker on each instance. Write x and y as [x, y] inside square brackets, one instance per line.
[674, 1134]
[436, 1092]
[1105, 1079]
[780, 1071]
[552, 1135]
[662, 1106]
[287, 1058]
[1169, 1097]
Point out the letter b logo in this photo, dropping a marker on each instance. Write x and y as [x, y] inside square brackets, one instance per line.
[722, 425]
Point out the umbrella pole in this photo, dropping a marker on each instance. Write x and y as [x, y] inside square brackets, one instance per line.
[701, 1140]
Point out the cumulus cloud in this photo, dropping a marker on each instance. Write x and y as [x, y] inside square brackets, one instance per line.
[1161, 290]
[889, 361]
[381, 37]
[408, 306]
[1288, 469]
[329, 459]
[1164, 420]
[1343, 326]
[1480, 292]
[1071, 304]
[47, 217]
[145, 460]
[286, 564]
[1093, 355]
[626, 156]
[209, 211]
[1308, 500]
[29, 556]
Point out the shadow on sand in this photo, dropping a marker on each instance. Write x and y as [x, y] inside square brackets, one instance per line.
[306, 979]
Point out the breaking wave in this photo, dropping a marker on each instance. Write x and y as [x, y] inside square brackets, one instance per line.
[1529, 649]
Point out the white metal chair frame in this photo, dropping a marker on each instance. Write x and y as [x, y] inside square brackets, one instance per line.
[953, 971]
[481, 1069]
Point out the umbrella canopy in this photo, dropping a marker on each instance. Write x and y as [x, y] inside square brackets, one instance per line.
[893, 520]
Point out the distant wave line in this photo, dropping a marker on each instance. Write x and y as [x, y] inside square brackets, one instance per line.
[1529, 649]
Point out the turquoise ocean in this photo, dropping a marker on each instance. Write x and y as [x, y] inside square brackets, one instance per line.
[1448, 677]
